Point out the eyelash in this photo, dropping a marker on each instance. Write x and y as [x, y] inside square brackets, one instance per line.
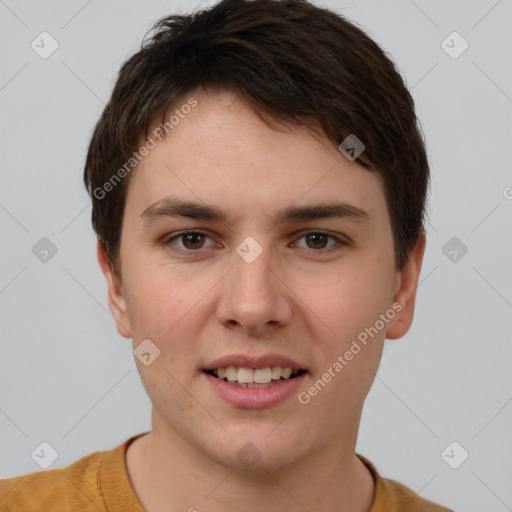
[167, 241]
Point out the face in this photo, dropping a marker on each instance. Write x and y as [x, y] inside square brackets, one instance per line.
[257, 275]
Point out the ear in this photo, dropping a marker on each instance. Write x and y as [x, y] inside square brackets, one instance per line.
[406, 282]
[116, 297]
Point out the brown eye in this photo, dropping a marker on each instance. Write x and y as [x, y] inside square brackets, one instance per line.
[189, 241]
[192, 240]
[317, 240]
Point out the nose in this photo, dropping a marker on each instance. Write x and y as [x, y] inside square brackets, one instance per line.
[254, 297]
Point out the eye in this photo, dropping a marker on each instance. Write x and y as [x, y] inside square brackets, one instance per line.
[192, 241]
[317, 240]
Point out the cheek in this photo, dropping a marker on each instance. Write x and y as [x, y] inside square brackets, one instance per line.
[348, 300]
[155, 303]
[167, 309]
[347, 344]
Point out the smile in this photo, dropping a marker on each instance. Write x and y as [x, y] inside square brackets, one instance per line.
[255, 378]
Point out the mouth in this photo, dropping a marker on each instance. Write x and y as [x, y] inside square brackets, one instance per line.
[252, 378]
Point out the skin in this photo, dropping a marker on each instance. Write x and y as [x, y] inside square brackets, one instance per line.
[295, 300]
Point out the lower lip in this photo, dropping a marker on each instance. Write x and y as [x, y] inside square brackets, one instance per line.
[255, 398]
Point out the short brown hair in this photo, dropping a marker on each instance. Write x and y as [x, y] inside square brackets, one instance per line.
[292, 62]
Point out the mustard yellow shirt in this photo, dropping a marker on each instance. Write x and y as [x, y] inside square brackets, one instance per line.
[99, 483]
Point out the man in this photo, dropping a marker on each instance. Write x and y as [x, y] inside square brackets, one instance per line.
[258, 181]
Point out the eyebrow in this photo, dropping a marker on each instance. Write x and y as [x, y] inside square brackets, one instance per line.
[171, 207]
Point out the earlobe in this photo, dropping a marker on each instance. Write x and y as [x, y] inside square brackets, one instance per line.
[116, 296]
[405, 292]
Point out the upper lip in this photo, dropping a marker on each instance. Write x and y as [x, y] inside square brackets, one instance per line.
[245, 361]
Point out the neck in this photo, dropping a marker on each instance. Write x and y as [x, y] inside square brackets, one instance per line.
[164, 469]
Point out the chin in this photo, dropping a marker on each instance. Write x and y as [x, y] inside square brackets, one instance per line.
[255, 451]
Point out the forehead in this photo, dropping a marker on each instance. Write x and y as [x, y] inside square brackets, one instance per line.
[221, 152]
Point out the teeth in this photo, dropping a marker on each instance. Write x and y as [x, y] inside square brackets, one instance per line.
[256, 385]
[262, 375]
[286, 372]
[247, 377]
[276, 372]
[231, 373]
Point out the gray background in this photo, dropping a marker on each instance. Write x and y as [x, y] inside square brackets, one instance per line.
[67, 377]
